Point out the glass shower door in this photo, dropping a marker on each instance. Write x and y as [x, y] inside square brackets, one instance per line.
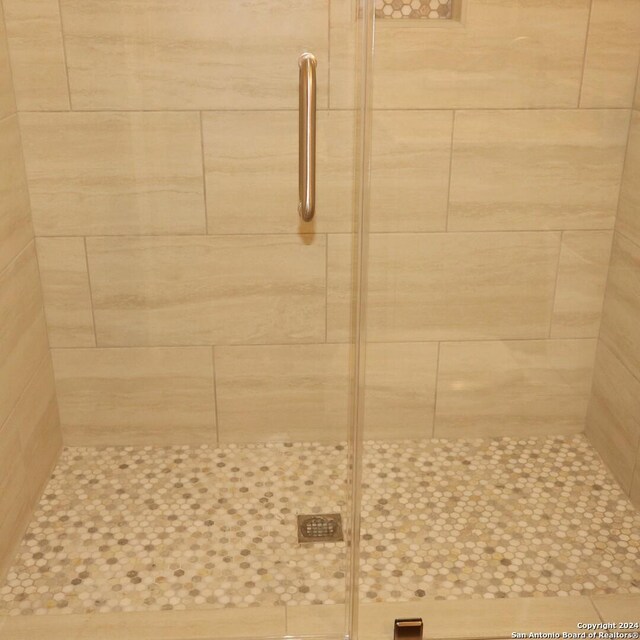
[498, 482]
[201, 330]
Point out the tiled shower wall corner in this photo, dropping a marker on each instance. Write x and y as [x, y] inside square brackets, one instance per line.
[493, 206]
[613, 422]
[29, 427]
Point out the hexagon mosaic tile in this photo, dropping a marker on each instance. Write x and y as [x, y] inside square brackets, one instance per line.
[414, 9]
[145, 528]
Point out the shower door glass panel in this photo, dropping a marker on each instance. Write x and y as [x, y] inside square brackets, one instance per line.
[201, 332]
[498, 143]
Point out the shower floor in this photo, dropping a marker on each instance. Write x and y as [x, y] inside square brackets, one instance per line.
[177, 528]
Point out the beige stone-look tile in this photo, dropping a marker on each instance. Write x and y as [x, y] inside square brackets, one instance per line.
[15, 503]
[613, 50]
[37, 54]
[135, 396]
[208, 290]
[628, 220]
[24, 333]
[153, 625]
[506, 55]
[400, 386]
[618, 608]
[7, 101]
[636, 101]
[513, 388]
[65, 289]
[326, 619]
[114, 173]
[251, 166]
[455, 286]
[192, 54]
[346, 67]
[634, 493]
[537, 169]
[620, 329]
[35, 417]
[282, 393]
[410, 170]
[582, 277]
[340, 286]
[15, 219]
[481, 618]
[613, 419]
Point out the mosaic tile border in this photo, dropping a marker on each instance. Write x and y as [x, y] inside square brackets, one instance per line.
[414, 9]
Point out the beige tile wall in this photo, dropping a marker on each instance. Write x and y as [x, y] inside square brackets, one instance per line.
[29, 425]
[613, 421]
[161, 154]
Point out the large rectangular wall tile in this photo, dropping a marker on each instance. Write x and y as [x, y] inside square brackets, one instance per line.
[400, 386]
[192, 54]
[628, 220]
[460, 286]
[208, 289]
[582, 277]
[7, 101]
[620, 328]
[24, 332]
[65, 288]
[37, 54]
[613, 420]
[613, 50]
[513, 388]
[507, 54]
[35, 417]
[114, 173]
[136, 396]
[251, 166]
[410, 170]
[537, 169]
[15, 219]
[15, 508]
[283, 393]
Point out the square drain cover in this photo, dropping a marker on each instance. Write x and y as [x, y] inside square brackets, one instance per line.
[320, 527]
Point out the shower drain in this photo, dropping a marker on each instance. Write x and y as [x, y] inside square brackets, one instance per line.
[321, 527]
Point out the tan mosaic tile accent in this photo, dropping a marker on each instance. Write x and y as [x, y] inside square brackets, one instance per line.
[414, 9]
[144, 528]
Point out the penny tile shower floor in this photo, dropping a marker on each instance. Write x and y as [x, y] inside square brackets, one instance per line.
[148, 528]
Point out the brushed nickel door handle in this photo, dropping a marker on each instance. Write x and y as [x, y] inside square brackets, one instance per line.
[307, 137]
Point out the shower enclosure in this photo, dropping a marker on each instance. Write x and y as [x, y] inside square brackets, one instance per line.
[301, 335]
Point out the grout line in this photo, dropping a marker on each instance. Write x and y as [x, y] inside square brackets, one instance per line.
[584, 54]
[333, 343]
[328, 62]
[435, 392]
[323, 109]
[555, 286]
[215, 395]
[297, 234]
[326, 289]
[65, 57]
[93, 314]
[204, 178]
[453, 126]
[593, 604]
